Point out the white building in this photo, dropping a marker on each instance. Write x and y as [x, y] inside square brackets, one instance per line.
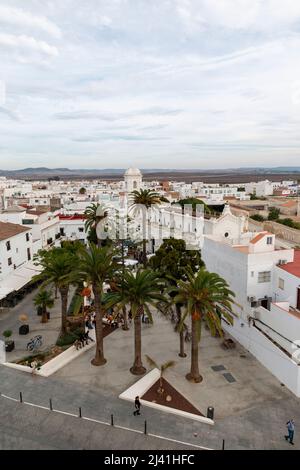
[266, 311]
[133, 179]
[72, 227]
[227, 225]
[44, 226]
[15, 247]
[260, 189]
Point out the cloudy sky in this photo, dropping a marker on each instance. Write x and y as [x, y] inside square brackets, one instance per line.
[149, 83]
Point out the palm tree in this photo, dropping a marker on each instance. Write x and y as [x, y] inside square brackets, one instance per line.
[171, 260]
[206, 296]
[162, 368]
[44, 300]
[58, 269]
[94, 214]
[94, 267]
[147, 199]
[140, 291]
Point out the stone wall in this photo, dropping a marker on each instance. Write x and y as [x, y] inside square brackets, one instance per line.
[281, 231]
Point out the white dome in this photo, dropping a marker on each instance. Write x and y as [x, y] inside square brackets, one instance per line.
[133, 172]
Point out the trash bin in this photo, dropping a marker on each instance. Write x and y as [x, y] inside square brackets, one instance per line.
[210, 412]
[24, 330]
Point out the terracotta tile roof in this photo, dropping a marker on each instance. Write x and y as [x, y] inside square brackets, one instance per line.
[242, 248]
[259, 236]
[289, 204]
[294, 266]
[8, 230]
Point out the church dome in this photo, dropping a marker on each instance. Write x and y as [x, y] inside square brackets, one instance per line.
[133, 172]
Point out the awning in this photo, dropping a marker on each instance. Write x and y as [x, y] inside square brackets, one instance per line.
[4, 291]
[20, 277]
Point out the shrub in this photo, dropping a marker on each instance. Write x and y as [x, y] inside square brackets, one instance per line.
[7, 333]
[289, 223]
[257, 217]
[69, 338]
[274, 214]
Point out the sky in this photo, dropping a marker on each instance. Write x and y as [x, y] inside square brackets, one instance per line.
[192, 84]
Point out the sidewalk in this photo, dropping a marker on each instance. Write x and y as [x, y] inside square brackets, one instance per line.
[244, 431]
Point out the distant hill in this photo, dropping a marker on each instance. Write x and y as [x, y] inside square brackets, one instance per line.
[231, 175]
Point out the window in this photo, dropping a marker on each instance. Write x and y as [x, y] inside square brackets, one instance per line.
[28, 254]
[80, 229]
[252, 273]
[269, 240]
[8, 246]
[281, 283]
[264, 276]
[9, 262]
[226, 234]
[27, 221]
[27, 237]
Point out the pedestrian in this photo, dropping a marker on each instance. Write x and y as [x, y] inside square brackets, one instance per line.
[137, 405]
[291, 429]
[87, 337]
[81, 339]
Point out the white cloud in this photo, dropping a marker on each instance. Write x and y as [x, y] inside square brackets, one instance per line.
[262, 15]
[23, 42]
[21, 18]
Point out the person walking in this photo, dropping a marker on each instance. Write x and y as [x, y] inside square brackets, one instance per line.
[137, 405]
[291, 429]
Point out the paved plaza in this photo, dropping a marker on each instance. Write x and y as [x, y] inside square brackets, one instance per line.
[250, 412]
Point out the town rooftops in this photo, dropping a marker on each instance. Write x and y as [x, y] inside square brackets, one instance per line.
[8, 230]
[294, 266]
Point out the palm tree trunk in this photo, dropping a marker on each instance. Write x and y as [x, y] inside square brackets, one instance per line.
[145, 253]
[64, 308]
[194, 374]
[181, 332]
[125, 325]
[44, 314]
[138, 368]
[160, 389]
[99, 358]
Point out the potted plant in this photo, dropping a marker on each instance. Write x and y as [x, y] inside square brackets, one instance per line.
[162, 368]
[9, 344]
[24, 328]
[44, 300]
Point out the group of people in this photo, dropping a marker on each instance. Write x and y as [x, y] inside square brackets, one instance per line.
[90, 320]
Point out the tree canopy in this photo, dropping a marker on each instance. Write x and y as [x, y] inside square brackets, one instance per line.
[173, 259]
